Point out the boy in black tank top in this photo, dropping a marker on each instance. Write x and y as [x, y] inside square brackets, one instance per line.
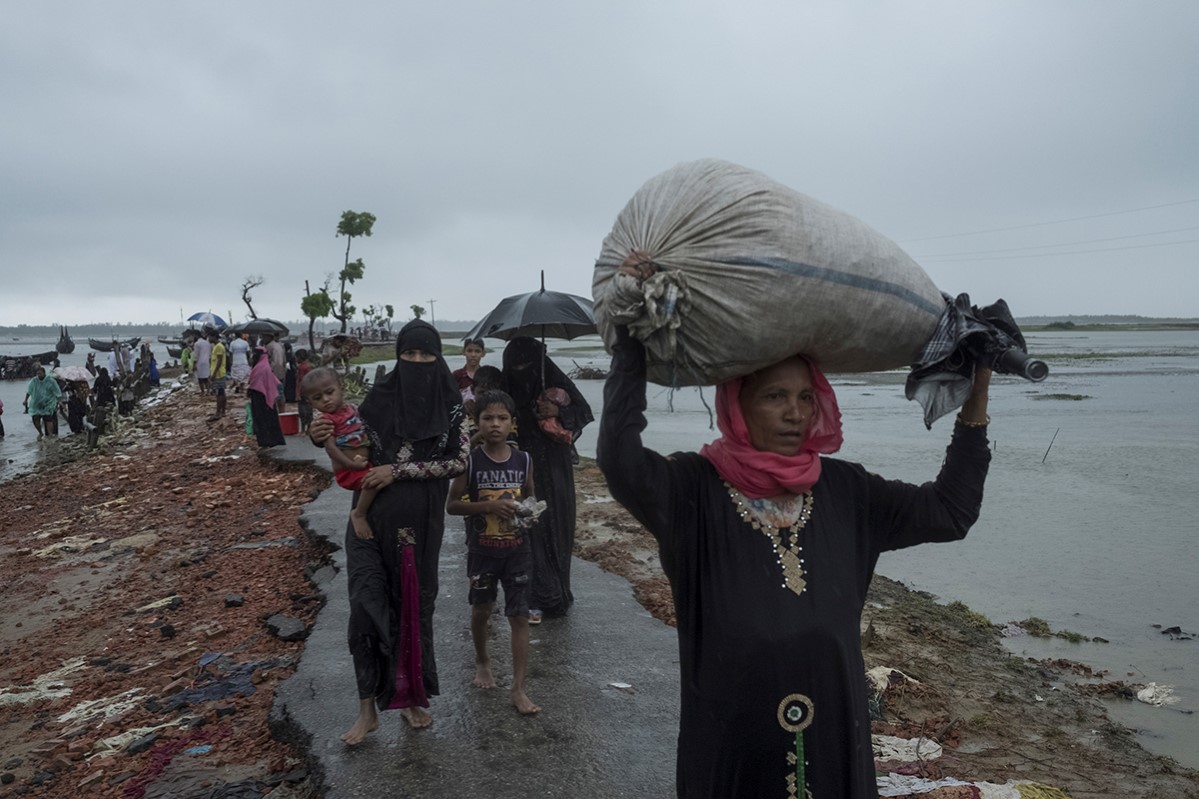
[497, 478]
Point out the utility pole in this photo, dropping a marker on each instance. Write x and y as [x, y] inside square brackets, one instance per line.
[432, 316]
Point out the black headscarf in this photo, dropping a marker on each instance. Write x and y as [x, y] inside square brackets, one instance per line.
[523, 360]
[415, 401]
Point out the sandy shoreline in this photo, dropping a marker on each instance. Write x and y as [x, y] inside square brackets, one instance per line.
[128, 566]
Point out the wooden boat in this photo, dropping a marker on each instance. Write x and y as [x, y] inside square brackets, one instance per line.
[65, 344]
[107, 346]
[17, 367]
[174, 352]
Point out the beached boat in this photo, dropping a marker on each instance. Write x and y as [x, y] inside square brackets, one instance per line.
[65, 344]
[17, 367]
[107, 346]
[174, 352]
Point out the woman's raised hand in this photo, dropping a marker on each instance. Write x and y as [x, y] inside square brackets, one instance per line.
[638, 265]
[974, 411]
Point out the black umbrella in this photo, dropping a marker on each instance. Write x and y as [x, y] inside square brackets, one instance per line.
[548, 314]
[257, 327]
[966, 335]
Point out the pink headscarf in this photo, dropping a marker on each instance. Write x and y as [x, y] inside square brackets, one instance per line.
[758, 474]
[263, 380]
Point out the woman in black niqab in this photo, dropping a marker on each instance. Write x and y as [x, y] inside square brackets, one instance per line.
[418, 443]
[416, 401]
[553, 466]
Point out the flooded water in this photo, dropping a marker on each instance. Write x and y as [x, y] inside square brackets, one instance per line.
[1090, 504]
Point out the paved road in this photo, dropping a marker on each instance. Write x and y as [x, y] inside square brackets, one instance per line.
[590, 740]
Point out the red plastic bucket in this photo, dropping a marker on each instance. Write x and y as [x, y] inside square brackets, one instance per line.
[290, 423]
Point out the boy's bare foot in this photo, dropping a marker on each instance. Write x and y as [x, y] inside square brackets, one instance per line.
[417, 717]
[362, 527]
[523, 704]
[483, 677]
[368, 722]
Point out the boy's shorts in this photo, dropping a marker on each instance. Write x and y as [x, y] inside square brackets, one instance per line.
[513, 571]
[218, 384]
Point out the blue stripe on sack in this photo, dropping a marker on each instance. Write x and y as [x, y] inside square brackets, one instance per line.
[845, 279]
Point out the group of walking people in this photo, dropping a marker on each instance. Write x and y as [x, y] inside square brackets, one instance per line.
[420, 438]
[768, 543]
[267, 370]
[125, 375]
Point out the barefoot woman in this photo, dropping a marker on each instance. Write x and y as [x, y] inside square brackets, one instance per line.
[419, 442]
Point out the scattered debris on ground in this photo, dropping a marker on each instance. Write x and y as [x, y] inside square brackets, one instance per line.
[139, 657]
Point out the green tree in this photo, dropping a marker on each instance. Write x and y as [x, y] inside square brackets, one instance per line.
[352, 225]
[418, 311]
[379, 317]
[316, 306]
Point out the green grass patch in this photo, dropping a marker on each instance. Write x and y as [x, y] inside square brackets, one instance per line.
[386, 351]
[1071, 636]
[1036, 626]
[972, 618]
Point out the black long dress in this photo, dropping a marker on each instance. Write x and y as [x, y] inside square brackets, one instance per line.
[417, 426]
[413, 506]
[267, 431]
[766, 672]
[553, 536]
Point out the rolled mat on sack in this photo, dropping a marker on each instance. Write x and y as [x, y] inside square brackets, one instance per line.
[751, 272]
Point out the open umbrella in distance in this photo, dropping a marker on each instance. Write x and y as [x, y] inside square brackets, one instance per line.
[257, 327]
[74, 374]
[207, 318]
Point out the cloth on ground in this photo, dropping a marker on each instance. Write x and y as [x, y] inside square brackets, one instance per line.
[888, 747]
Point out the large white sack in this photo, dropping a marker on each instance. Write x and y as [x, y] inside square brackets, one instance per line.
[751, 272]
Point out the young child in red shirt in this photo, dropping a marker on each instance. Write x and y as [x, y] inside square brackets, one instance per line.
[349, 446]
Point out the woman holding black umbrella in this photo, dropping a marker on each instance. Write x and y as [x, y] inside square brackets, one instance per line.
[529, 374]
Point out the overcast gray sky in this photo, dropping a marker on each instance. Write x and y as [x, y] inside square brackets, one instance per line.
[153, 155]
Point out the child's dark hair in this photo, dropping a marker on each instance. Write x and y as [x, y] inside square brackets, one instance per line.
[488, 398]
[318, 374]
[478, 342]
[301, 355]
[490, 377]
